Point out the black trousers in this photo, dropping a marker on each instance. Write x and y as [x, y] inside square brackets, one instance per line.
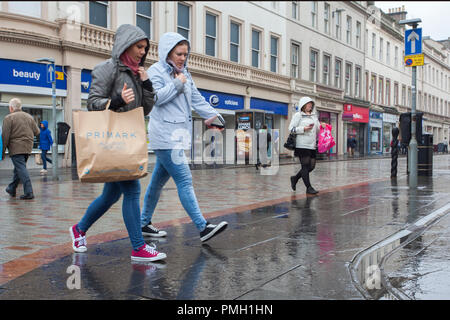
[308, 161]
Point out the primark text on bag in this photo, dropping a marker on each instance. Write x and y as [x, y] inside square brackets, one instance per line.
[110, 146]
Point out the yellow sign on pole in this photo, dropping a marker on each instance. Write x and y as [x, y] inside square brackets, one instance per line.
[414, 60]
[59, 75]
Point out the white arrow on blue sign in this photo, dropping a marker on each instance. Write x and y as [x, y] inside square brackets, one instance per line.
[413, 41]
[50, 73]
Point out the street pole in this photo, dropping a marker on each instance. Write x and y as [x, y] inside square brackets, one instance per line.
[412, 156]
[55, 145]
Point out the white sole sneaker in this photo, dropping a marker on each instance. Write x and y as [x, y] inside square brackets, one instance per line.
[159, 256]
[80, 249]
[215, 231]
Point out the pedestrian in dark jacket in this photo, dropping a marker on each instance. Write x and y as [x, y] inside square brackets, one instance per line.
[19, 130]
[45, 144]
[123, 81]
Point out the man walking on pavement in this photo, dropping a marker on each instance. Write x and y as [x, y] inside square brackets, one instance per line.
[19, 129]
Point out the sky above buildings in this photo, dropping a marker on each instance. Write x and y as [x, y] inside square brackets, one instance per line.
[435, 15]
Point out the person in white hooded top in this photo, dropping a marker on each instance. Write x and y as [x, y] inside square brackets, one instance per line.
[170, 131]
[305, 124]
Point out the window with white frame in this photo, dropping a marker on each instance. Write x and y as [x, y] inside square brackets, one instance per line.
[27, 8]
[380, 56]
[372, 88]
[358, 34]
[388, 52]
[184, 20]
[338, 73]
[211, 35]
[409, 97]
[387, 93]
[380, 90]
[338, 25]
[357, 82]
[396, 57]
[98, 13]
[349, 30]
[326, 18]
[348, 79]
[235, 31]
[403, 95]
[314, 14]
[326, 69]
[144, 17]
[313, 65]
[295, 10]
[374, 44]
[395, 93]
[273, 54]
[295, 58]
[256, 48]
[425, 102]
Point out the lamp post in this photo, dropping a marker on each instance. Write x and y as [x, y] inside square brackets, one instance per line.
[412, 150]
[51, 71]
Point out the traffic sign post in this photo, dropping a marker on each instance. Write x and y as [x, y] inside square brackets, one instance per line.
[413, 41]
[413, 58]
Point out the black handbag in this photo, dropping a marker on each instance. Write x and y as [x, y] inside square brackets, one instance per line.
[290, 142]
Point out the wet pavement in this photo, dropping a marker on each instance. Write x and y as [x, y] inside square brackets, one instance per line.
[279, 245]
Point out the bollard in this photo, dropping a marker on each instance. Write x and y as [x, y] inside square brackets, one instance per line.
[394, 152]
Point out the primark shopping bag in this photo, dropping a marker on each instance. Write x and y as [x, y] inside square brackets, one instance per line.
[110, 146]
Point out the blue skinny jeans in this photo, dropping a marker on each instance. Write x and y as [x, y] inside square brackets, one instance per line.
[112, 191]
[172, 163]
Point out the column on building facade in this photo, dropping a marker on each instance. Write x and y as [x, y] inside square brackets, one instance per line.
[73, 101]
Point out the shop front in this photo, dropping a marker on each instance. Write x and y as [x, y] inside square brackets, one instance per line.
[375, 132]
[355, 119]
[29, 82]
[389, 122]
[226, 104]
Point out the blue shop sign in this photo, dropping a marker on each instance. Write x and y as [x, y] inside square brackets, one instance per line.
[30, 74]
[275, 107]
[223, 100]
[86, 80]
[375, 115]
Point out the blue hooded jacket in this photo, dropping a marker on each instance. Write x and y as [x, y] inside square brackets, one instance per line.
[45, 137]
[170, 125]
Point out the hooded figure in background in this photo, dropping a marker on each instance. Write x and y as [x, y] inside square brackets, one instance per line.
[122, 81]
[45, 144]
[306, 125]
[170, 132]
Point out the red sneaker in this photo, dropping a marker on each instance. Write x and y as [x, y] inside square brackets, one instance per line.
[147, 253]
[78, 239]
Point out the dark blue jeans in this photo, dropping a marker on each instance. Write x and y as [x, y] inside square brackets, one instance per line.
[44, 158]
[20, 174]
[130, 208]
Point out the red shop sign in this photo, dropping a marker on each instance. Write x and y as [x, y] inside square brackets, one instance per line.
[355, 114]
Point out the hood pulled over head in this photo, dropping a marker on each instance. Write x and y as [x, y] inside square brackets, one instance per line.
[127, 35]
[45, 123]
[305, 100]
[168, 41]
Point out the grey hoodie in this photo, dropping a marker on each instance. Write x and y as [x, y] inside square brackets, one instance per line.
[170, 125]
[109, 76]
[305, 139]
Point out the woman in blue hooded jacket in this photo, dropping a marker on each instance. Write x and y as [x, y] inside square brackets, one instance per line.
[170, 132]
[45, 144]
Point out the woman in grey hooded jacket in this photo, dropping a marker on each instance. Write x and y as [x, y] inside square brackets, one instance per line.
[122, 81]
[170, 131]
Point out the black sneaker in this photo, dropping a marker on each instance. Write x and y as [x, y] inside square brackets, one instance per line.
[12, 193]
[211, 230]
[150, 230]
[27, 196]
[311, 190]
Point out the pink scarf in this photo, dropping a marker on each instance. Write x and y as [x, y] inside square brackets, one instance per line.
[129, 62]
